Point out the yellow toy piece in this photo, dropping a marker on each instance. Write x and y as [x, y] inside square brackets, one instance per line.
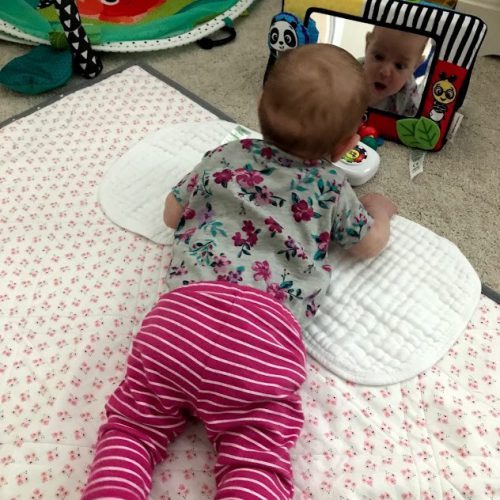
[299, 7]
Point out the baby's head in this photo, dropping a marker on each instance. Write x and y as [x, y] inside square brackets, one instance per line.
[391, 57]
[313, 101]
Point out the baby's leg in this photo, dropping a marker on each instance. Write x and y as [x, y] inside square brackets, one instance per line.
[248, 394]
[253, 461]
[144, 414]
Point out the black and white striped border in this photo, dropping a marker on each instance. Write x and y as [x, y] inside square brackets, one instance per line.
[461, 34]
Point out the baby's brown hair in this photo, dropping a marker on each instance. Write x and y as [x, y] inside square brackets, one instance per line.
[314, 97]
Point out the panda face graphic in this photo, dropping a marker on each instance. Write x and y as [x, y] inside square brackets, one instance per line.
[282, 36]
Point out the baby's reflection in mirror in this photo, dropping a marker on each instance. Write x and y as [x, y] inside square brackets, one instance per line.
[391, 58]
[396, 62]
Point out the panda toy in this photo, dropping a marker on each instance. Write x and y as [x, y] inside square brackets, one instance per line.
[288, 32]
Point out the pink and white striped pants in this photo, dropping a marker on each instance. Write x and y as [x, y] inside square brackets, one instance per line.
[230, 355]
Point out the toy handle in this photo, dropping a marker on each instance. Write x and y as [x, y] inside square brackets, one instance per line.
[209, 43]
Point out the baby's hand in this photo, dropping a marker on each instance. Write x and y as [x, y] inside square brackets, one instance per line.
[381, 209]
[172, 212]
[374, 202]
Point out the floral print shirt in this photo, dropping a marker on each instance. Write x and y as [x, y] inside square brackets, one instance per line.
[405, 102]
[257, 216]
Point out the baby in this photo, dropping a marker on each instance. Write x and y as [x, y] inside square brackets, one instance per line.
[254, 221]
[391, 58]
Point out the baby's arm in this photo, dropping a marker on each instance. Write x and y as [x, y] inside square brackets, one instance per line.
[381, 210]
[172, 212]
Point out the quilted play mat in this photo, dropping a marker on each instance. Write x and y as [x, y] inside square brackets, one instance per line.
[122, 25]
[74, 287]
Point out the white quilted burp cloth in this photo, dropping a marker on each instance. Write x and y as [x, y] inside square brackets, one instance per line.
[132, 193]
[387, 319]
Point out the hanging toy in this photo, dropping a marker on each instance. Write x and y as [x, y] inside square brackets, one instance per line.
[47, 67]
[87, 62]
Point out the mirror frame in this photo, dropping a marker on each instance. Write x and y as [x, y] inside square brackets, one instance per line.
[457, 38]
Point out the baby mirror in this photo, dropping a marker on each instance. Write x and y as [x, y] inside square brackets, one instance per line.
[396, 63]
[417, 58]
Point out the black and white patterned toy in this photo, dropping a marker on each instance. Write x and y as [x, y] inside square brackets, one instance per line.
[86, 60]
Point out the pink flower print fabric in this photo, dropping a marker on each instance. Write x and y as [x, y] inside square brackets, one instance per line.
[255, 215]
[74, 288]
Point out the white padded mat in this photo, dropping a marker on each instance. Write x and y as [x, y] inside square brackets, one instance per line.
[387, 319]
[383, 320]
[132, 194]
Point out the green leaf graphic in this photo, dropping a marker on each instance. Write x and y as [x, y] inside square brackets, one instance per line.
[421, 133]
[427, 133]
[406, 131]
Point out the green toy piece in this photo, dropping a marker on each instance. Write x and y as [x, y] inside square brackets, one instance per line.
[46, 68]
[421, 133]
[40, 70]
[370, 141]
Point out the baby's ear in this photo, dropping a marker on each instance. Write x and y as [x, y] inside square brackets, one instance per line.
[368, 37]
